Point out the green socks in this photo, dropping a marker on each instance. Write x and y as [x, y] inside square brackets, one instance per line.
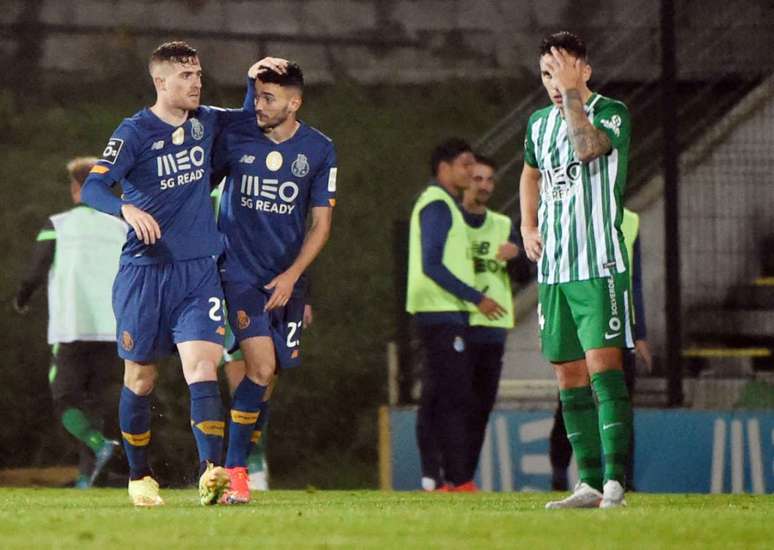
[615, 421]
[80, 427]
[580, 419]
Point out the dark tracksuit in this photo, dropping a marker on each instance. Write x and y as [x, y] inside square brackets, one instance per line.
[486, 346]
[442, 419]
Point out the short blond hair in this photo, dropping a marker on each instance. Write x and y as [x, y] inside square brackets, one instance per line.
[79, 167]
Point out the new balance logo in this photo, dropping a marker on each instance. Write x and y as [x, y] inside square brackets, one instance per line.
[157, 145]
[247, 159]
[182, 160]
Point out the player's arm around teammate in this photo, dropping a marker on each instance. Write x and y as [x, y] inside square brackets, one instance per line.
[167, 293]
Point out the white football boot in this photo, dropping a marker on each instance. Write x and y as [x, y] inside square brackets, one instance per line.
[584, 496]
[613, 495]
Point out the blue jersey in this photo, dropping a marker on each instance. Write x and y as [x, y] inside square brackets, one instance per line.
[165, 171]
[269, 189]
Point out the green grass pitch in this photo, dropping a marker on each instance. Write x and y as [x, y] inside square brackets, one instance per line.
[103, 518]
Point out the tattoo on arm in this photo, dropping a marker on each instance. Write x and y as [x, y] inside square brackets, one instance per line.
[587, 141]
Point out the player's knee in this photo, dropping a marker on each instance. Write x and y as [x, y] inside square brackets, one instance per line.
[603, 360]
[573, 374]
[261, 373]
[203, 370]
[140, 379]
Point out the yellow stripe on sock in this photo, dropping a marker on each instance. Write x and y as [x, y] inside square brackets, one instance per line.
[137, 440]
[243, 417]
[211, 427]
[256, 437]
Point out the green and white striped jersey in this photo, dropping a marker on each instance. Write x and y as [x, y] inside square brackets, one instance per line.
[581, 205]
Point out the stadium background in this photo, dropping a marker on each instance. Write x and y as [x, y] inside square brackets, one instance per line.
[389, 79]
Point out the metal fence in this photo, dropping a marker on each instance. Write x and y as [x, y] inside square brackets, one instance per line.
[700, 171]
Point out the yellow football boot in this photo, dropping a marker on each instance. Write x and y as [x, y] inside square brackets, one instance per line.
[145, 492]
[213, 484]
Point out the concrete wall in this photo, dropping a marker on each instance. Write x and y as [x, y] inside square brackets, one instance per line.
[388, 40]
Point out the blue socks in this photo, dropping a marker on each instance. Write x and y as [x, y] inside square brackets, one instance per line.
[245, 411]
[134, 419]
[207, 421]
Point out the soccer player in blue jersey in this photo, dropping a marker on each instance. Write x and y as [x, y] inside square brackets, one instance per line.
[167, 292]
[278, 169]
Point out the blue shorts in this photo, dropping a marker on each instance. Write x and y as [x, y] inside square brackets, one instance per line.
[248, 319]
[160, 305]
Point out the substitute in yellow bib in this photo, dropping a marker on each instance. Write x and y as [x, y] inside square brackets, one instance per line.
[441, 295]
[493, 244]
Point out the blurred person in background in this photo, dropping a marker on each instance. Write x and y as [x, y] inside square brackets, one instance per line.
[77, 252]
[493, 244]
[441, 294]
[576, 156]
[560, 450]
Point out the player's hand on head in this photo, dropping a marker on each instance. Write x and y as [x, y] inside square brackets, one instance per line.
[507, 251]
[491, 309]
[533, 245]
[566, 70]
[145, 226]
[282, 286]
[276, 64]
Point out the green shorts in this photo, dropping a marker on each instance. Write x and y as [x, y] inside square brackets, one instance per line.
[582, 315]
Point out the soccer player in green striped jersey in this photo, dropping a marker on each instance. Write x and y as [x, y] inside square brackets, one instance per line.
[576, 153]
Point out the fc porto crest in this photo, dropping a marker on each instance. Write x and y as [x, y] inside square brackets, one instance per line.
[243, 320]
[197, 129]
[300, 166]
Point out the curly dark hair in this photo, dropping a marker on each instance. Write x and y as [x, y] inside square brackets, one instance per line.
[293, 77]
[564, 40]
